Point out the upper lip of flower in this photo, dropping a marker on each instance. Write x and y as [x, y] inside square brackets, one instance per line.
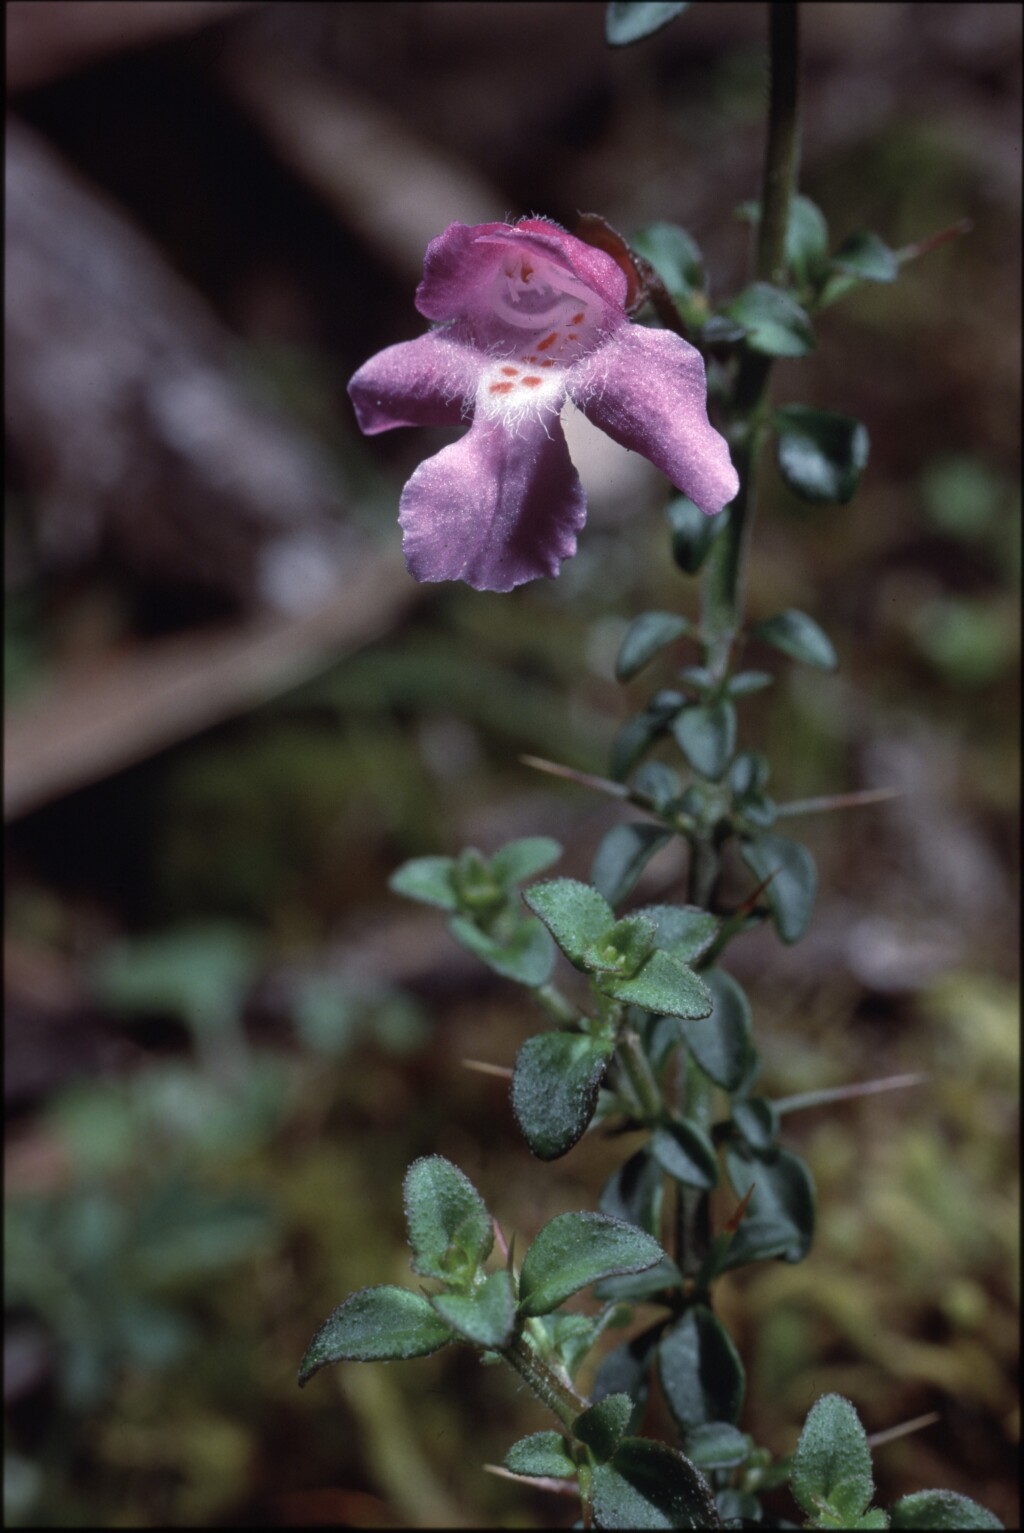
[528, 315]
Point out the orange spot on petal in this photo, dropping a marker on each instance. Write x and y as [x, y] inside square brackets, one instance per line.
[547, 362]
[577, 319]
[531, 383]
[510, 372]
[572, 337]
[501, 388]
[549, 340]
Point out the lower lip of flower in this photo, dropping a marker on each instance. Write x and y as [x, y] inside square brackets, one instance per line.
[511, 389]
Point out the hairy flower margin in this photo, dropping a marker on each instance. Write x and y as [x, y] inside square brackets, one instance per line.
[528, 316]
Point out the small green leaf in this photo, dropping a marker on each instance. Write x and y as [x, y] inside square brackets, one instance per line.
[794, 881]
[806, 246]
[675, 256]
[721, 1041]
[699, 678]
[635, 1287]
[544, 1455]
[820, 454]
[645, 636]
[744, 683]
[527, 957]
[554, 1089]
[749, 773]
[627, 1370]
[485, 1317]
[940, 1509]
[779, 1221]
[524, 859]
[739, 1508]
[603, 1426]
[706, 734]
[623, 949]
[716, 1445]
[686, 1153]
[376, 1325]
[775, 324]
[450, 1230]
[806, 240]
[757, 1120]
[576, 915]
[634, 739]
[427, 879]
[700, 1370]
[693, 533]
[630, 21]
[663, 985]
[832, 1462]
[634, 1192]
[866, 256]
[658, 784]
[684, 931]
[757, 812]
[798, 636]
[650, 1485]
[574, 1250]
[574, 1335]
[875, 1518]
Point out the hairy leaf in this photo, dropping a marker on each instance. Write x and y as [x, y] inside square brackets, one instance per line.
[574, 1250]
[543, 1454]
[450, 1230]
[624, 852]
[486, 1317]
[832, 1462]
[376, 1325]
[427, 879]
[700, 1370]
[575, 914]
[650, 1485]
[554, 1089]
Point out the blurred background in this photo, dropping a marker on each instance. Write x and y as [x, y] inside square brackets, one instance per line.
[230, 714]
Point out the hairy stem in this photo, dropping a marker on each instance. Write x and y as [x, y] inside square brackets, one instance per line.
[724, 577]
[783, 151]
[638, 1072]
[551, 1387]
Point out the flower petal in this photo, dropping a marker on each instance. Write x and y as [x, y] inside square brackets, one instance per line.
[500, 507]
[647, 390]
[459, 265]
[426, 382]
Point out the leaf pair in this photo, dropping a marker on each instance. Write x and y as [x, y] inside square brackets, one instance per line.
[482, 898]
[628, 1482]
[452, 1234]
[833, 1481]
[632, 960]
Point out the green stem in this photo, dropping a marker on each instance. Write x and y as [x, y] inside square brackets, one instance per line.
[558, 1006]
[638, 1072]
[550, 1387]
[723, 586]
[693, 1213]
[704, 869]
[722, 594]
[782, 156]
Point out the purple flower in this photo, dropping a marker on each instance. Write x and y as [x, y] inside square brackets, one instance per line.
[528, 316]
